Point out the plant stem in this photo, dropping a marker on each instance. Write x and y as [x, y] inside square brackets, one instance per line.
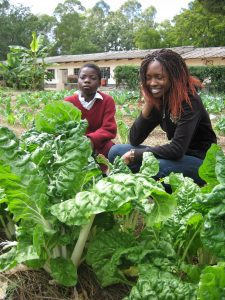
[10, 225]
[189, 244]
[79, 247]
[7, 231]
[63, 248]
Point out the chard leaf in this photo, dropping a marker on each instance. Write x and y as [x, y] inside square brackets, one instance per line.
[184, 224]
[105, 255]
[220, 167]
[55, 115]
[156, 284]
[32, 139]
[26, 196]
[162, 207]
[193, 272]
[26, 253]
[115, 254]
[18, 199]
[109, 194]
[207, 169]
[212, 283]
[150, 165]
[63, 271]
[21, 253]
[213, 232]
[214, 198]
[64, 159]
[118, 167]
[20, 177]
[68, 171]
[26, 250]
[8, 260]
[77, 211]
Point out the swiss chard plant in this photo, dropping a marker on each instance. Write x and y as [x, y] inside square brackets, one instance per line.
[53, 189]
[54, 199]
[51, 163]
[175, 251]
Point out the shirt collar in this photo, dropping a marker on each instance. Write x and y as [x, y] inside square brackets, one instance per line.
[88, 105]
[96, 96]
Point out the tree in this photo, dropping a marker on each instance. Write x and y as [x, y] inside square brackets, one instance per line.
[68, 7]
[69, 25]
[146, 34]
[214, 6]
[101, 7]
[196, 26]
[148, 16]
[131, 9]
[4, 5]
[147, 38]
[118, 35]
[17, 24]
[45, 26]
[93, 28]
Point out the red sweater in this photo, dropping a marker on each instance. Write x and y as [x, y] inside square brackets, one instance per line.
[101, 121]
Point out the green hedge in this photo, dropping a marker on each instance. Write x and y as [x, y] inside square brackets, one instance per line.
[128, 76]
[215, 74]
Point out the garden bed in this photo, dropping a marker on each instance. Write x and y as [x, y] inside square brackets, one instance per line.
[25, 284]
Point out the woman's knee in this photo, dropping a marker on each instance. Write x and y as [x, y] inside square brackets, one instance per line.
[118, 150]
[188, 166]
[112, 153]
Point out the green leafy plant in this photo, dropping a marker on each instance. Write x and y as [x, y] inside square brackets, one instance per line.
[58, 211]
[45, 167]
[220, 125]
[25, 68]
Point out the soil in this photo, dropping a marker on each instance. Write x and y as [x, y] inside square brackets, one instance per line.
[41, 286]
[158, 136]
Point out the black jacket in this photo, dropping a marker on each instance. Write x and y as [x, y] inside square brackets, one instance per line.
[192, 134]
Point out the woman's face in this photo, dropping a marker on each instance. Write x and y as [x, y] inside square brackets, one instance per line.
[88, 81]
[157, 79]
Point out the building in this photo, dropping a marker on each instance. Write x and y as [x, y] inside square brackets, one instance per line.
[65, 65]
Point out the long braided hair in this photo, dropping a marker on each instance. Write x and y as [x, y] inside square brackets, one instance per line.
[182, 84]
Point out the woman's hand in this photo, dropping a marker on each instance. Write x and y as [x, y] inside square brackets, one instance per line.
[147, 107]
[128, 157]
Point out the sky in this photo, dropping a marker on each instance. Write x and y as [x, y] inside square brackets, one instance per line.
[166, 9]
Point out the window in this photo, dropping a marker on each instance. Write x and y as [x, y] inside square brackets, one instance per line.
[105, 72]
[76, 71]
[51, 74]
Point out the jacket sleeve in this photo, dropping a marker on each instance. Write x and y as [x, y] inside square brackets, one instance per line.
[142, 127]
[108, 129]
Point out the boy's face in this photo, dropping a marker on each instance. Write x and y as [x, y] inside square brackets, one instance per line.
[88, 81]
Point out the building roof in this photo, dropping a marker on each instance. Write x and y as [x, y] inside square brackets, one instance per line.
[187, 52]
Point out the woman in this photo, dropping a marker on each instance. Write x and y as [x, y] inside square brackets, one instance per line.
[171, 101]
[96, 107]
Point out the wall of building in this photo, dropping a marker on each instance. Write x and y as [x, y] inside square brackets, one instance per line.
[68, 68]
[216, 61]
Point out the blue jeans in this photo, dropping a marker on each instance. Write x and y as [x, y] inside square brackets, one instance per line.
[187, 165]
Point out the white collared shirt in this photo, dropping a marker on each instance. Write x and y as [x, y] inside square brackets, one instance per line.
[85, 104]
